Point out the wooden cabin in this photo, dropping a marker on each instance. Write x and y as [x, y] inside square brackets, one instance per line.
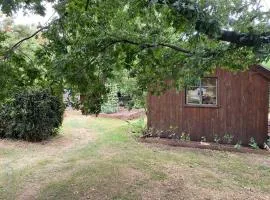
[227, 103]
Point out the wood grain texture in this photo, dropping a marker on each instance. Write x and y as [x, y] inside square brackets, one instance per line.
[242, 110]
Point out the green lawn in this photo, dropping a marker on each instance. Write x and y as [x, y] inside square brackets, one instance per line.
[266, 64]
[95, 158]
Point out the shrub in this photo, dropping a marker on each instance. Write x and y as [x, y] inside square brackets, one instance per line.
[32, 115]
[228, 138]
[216, 139]
[203, 139]
[238, 145]
[253, 144]
[111, 105]
[185, 136]
[138, 127]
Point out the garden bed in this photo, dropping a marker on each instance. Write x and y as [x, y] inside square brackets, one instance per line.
[202, 145]
[125, 114]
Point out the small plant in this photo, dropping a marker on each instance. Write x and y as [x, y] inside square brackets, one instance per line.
[203, 139]
[238, 145]
[216, 139]
[228, 138]
[268, 142]
[138, 128]
[253, 143]
[185, 137]
[171, 133]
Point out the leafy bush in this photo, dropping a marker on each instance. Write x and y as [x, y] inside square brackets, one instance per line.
[203, 139]
[253, 144]
[228, 138]
[238, 145]
[138, 127]
[185, 136]
[111, 105]
[216, 139]
[32, 115]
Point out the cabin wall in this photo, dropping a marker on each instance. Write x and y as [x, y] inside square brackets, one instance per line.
[242, 110]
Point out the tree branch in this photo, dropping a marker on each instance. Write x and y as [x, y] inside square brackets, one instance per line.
[244, 39]
[203, 21]
[16, 45]
[148, 45]
[87, 4]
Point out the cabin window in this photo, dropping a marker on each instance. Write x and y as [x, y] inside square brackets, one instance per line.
[204, 94]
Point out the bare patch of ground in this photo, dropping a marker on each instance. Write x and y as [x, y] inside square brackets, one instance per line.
[200, 145]
[125, 114]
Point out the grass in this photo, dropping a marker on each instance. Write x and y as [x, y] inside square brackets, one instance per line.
[266, 64]
[96, 158]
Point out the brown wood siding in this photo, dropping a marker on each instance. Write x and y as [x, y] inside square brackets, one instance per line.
[242, 110]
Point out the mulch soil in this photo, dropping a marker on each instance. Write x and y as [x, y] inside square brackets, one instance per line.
[125, 114]
[202, 145]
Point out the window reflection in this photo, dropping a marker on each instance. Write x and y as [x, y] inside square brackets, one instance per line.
[204, 94]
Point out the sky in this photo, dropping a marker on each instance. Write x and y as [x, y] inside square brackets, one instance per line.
[21, 18]
[266, 4]
[29, 19]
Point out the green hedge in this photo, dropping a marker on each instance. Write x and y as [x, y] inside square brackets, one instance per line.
[32, 115]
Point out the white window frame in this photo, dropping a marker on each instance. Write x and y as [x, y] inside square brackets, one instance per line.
[201, 87]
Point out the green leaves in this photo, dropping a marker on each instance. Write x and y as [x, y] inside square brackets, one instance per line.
[32, 115]
[10, 6]
[152, 43]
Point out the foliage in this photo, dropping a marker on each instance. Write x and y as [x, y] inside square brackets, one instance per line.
[216, 139]
[228, 138]
[203, 139]
[185, 137]
[93, 42]
[253, 143]
[36, 6]
[131, 95]
[138, 127]
[20, 68]
[32, 115]
[111, 105]
[268, 142]
[238, 145]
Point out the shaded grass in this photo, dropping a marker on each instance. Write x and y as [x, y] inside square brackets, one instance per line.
[116, 166]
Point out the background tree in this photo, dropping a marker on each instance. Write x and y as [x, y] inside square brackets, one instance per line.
[155, 41]
[19, 65]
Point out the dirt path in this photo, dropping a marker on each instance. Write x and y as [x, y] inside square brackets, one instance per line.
[44, 157]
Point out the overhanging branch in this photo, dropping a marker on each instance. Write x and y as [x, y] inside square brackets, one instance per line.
[244, 39]
[27, 38]
[17, 44]
[191, 11]
[148, 45]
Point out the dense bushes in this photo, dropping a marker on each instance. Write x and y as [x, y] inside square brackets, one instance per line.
[111, 105]
[32, 115]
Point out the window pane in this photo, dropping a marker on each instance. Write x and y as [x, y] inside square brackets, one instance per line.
[193, 95]
[209, 82]
[209, 95]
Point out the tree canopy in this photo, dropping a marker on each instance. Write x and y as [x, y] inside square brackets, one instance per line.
[93, 42]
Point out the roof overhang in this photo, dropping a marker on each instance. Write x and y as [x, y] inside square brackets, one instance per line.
[263, 71]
